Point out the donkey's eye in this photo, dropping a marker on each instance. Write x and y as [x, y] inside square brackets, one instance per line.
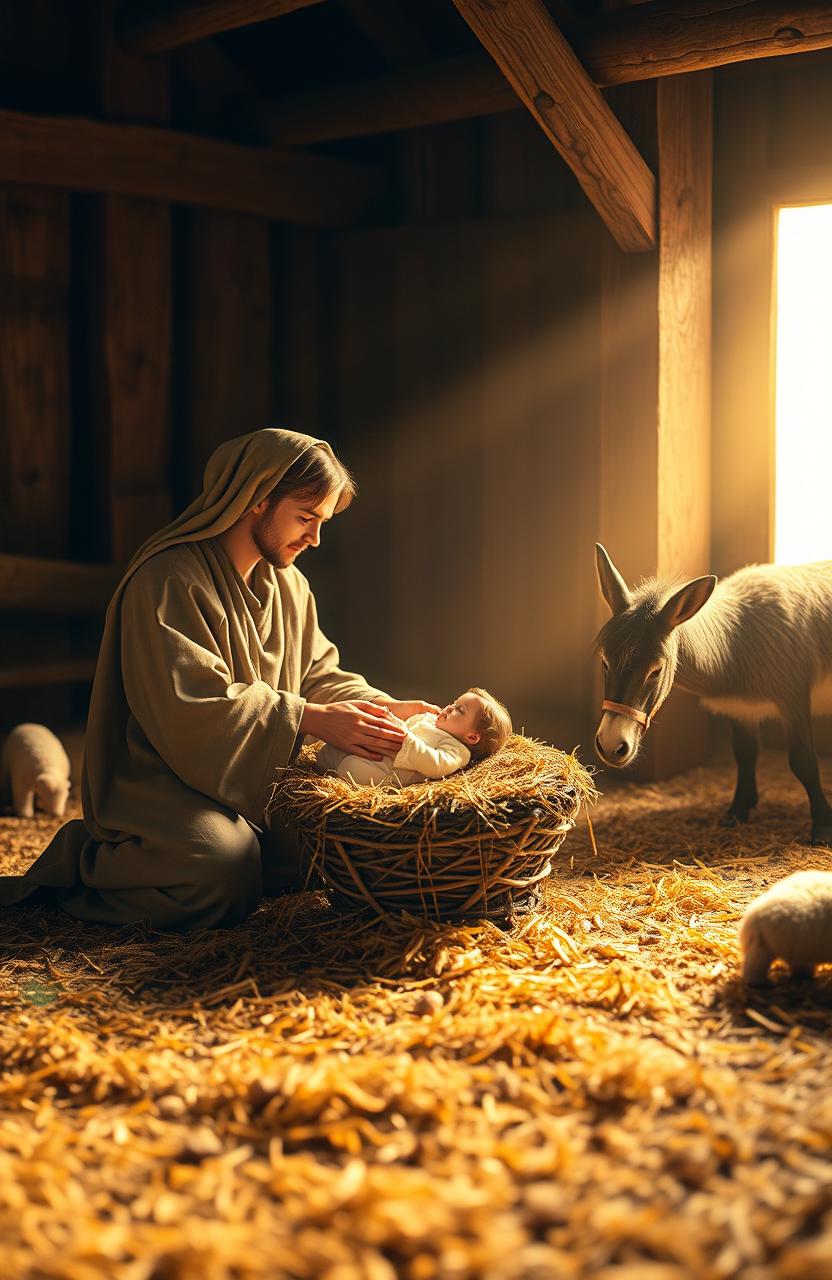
[651, 675]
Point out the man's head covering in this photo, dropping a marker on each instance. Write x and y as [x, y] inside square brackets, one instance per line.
[239, 474]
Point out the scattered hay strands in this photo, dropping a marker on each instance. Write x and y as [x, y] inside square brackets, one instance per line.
[317, 1096]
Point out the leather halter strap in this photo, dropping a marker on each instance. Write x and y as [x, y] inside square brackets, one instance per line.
[641, 717]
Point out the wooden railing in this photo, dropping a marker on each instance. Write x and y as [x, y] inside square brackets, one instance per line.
[60, 588]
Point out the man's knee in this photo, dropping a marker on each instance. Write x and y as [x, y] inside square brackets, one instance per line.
[224, 855]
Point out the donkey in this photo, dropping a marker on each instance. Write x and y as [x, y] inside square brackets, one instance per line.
[756, 646]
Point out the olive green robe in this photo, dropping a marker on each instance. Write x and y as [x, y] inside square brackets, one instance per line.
[198, 696]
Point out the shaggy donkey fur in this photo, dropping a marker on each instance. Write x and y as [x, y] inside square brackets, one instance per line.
[756, 646]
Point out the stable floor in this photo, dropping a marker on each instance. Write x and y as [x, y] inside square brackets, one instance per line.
[313, 1096]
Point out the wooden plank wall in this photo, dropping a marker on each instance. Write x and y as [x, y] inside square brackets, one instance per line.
[226, 334]
[465, 355]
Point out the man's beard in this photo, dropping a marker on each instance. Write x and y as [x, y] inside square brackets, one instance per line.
[277, 557]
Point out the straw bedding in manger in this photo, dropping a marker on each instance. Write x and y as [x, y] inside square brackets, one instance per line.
[312, 1095]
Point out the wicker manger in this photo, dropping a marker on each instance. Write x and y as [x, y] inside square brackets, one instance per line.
[476, 844]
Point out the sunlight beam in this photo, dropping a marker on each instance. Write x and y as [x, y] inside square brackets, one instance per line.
[803, 396]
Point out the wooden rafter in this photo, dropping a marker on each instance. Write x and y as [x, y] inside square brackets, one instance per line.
[638, 43]
[164, 24]
[453, 89]
[532, 53]
[89, 155]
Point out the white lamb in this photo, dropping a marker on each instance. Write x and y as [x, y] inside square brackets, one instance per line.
[34, 766]
[791, 921]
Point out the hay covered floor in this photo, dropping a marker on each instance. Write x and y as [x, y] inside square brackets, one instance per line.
[308, 1096]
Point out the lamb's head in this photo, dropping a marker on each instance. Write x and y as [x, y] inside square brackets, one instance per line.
[639, 648]
[52, 791]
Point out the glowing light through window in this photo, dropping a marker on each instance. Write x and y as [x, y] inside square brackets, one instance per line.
[803, 404]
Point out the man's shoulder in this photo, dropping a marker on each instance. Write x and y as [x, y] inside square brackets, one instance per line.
[180, 561]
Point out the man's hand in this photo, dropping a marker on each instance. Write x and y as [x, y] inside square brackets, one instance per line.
[359, 728]
[405, 709]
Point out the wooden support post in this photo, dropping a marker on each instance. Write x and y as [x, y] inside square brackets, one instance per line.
[685, 199]
[655, 419]
[131, 341]
[34, 371]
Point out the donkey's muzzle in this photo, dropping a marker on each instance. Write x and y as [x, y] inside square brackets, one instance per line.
[617, 754]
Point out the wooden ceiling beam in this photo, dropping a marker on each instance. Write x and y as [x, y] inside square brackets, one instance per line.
[546, 75]
[669, 37]
[162, 164]
[452, 89]
[152, 26]
[643, 42]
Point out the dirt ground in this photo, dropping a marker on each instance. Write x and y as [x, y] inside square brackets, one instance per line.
[317, 1096]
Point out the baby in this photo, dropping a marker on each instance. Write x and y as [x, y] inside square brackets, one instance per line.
[474, 726]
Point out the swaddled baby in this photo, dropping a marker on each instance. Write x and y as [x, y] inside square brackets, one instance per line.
[474, 726]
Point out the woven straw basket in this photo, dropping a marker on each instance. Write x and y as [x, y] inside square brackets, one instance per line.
[476, 844]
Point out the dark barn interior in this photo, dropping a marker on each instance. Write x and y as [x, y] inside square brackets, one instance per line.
[440, 301]
[527, 322]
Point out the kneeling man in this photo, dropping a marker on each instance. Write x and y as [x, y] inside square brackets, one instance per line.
[211, 670]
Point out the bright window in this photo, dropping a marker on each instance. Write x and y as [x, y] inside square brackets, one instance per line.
[803, 405]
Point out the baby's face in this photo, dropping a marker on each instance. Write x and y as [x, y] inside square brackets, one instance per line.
[460, 718]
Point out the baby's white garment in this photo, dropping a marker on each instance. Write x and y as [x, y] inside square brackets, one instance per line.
[427, 752]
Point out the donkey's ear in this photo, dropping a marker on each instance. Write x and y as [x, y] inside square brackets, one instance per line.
[613, 587]
[688, 600]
